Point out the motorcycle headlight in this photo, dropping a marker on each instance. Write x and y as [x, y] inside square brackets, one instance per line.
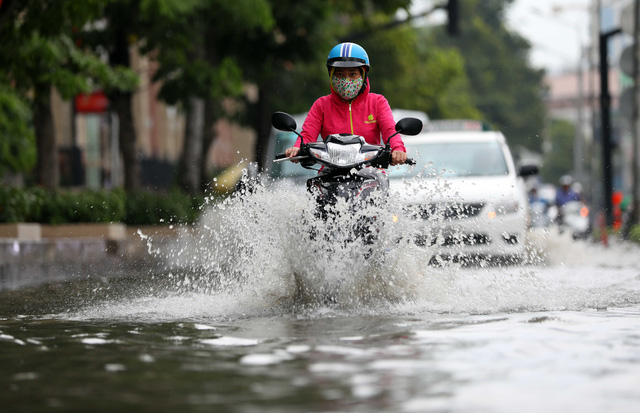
[320, 154]
[342, 155]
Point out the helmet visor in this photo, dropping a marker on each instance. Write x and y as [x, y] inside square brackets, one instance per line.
[346, 62]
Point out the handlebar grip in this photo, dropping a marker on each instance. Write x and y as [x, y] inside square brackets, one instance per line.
[280, 156]
[410, 161]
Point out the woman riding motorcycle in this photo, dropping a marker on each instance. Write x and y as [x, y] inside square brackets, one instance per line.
[351, 107]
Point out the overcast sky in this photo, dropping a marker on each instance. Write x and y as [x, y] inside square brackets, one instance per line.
[555, 28]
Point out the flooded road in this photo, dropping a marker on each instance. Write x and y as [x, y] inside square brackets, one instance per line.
[235, 324]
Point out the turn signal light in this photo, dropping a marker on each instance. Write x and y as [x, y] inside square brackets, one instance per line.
[584, 212]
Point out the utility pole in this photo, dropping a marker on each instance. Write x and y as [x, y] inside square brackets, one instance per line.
[605, 114]
[578, 144]
[635, 116]
[452, 13]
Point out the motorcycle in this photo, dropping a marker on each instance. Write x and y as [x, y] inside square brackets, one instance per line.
[352, 172]
[574, 217]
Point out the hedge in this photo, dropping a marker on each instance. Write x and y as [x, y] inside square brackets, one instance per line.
[64, 206]
[634, 234]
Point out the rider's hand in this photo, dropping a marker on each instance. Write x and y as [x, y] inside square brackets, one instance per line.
[398, 157]
[291, 152]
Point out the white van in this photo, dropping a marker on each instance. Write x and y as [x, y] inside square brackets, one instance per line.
[465, 195]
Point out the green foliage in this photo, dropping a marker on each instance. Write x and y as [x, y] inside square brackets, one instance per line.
[166, 8]
[61, 207]
[558, 156]
[213, 48]
[59, 63]
[58, 207]
[634, 234]
[407, 66]
[504, 87]
[147, 208]
[85, 206]
[37, 53]
[417, 74]
[21, 205]
[196, 46]
[17, 145]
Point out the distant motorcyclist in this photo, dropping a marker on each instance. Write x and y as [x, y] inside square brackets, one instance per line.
[351, 108]
[539, 207]
[564, 195]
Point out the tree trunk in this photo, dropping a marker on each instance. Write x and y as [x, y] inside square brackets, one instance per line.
[47, 158]
[192, 148]
[6, 11]
[121, 103]
[208, 137]
[263, 125]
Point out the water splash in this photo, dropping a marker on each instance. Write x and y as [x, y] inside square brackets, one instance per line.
[271, 243]
[267, 253]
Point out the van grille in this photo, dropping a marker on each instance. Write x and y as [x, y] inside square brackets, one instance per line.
[449, 211]
[453, 240]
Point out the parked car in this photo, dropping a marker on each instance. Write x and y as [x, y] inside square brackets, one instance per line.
[465, 196]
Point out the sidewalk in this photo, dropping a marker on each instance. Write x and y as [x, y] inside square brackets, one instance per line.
[32, 254]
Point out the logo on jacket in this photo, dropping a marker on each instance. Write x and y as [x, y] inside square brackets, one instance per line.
[370, 119]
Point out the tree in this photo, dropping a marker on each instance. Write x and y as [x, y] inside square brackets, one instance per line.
[558, 157]
[413, 72]
[297, 47]
[36, 56]
[298, 36]
[17, 146]
[196, 49]
[121, 30]
[408, 68]
[506, 90]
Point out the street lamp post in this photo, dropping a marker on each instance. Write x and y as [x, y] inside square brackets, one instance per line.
[605, 115]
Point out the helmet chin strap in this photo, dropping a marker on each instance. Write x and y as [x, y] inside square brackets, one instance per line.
[333, 69]
[364, 79]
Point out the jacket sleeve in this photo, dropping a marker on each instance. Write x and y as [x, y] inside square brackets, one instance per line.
[387, 125]
[312, 124]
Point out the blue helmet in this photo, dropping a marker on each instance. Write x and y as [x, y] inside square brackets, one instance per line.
[348, 55]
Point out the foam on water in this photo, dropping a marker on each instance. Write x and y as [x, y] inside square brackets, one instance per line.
[253, 256]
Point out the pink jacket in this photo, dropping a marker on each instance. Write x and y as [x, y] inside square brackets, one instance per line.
[367, 115]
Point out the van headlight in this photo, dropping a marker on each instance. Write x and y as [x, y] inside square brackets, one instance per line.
[504, 208]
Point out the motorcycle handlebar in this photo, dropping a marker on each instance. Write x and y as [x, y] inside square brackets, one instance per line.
[282, 157]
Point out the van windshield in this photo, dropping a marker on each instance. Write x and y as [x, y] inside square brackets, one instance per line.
[453, 159]
[286, 169]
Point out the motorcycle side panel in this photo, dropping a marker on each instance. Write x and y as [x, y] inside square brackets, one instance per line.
[358, 186]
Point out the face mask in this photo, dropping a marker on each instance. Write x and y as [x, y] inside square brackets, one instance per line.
[347, 88]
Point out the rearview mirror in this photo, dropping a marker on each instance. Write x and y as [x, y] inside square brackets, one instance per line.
[409, 126]
[283, 121]
[528, 170]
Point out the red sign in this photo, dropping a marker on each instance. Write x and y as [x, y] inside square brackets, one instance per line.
[95, 102]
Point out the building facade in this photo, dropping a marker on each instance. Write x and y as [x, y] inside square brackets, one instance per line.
[88, 146]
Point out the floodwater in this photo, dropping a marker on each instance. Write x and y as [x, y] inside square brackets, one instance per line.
[252, 316]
